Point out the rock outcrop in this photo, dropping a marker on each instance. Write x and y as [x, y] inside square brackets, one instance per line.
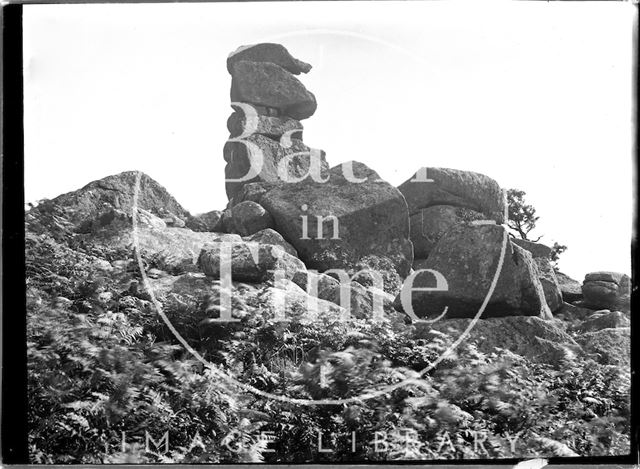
[610, 290]
[468, 257]
[106, 196]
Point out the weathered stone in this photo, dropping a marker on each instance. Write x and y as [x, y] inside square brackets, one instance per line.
[608, 346]
[249, 262]
[468, 257]
[549, 283]
[571, 289]
[536, 249]
[604, 319]
[429, 224]
[355, 220]
[531, 337]
[609, 290]
[454, 187]
[270, 85]
[250, 217]
[268, 52]
[272, 127]
[83, 206]
[274, 163]
[270, 236]
[209, 221]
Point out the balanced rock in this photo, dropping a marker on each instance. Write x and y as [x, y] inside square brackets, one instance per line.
[609, 290]
[261, 159]
[273, 127]
[250, 217]
[270, 85]
[334, 224]
[444, 186]
[268, 52]
[429, 224]
[468, 256]
[249, 262]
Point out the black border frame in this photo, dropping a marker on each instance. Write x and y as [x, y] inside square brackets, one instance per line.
[14, 404]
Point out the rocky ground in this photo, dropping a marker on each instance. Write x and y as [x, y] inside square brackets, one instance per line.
[547, 363]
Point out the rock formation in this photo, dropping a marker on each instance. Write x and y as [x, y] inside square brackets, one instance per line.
[265, 141]
[347, 220]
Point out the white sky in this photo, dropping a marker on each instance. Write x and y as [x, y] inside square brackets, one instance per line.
[536, 95]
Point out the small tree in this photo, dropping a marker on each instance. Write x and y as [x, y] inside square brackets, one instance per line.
[522, 216]
[522, 220]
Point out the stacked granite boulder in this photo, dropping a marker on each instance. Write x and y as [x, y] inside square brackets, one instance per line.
[265, 130]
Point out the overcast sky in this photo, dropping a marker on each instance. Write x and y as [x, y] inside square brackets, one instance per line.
[536, 95]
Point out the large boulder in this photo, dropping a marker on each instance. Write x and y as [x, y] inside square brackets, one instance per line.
[356, 219]
[249, 262]
[468, 257]
[429, 224]
[262, 159]
[250, 217]
[270, 85]
[610, 290]
[531, 337]
[570, 289]
[444, 186]
[268, 52]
